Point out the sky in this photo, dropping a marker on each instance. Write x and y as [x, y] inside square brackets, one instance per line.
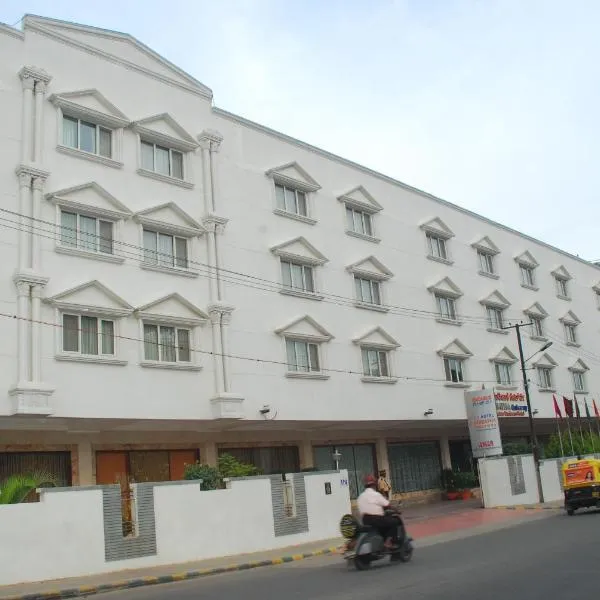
[489, 104]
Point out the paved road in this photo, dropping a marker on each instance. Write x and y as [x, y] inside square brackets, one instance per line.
[552, 557]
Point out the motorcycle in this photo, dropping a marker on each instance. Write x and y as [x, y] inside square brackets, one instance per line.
[365, 544]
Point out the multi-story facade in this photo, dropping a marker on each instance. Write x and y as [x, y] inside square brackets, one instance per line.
[178, 281]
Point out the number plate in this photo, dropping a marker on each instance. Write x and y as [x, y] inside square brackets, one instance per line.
[595, 494]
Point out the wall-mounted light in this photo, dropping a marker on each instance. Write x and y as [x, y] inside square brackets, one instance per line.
[428, 412]
[535, 412]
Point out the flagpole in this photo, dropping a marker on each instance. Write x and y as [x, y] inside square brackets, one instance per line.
[565, 400]
[587, 414]
[558, 418]
[578, 413]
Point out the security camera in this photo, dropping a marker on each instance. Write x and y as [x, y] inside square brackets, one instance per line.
[265, 410]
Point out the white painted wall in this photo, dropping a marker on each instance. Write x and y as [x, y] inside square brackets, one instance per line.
[63, 534]
[495, 482]
[551, 483]
[247, 200]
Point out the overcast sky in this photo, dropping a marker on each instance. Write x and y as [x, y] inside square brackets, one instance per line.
[490, 104]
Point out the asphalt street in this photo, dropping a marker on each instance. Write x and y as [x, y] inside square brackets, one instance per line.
[553, 557]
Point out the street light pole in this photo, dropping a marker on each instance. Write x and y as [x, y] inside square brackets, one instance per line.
[534, 442]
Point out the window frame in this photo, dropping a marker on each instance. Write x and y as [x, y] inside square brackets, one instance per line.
[460, 361]
[495, 317]
[582, 379]
[178, 362]
[439, 298]
[171, 150]
[499, 366]
[486, 262]
[78, 244]
[528, 282]
[548, 377]
[157, 265]
[304, 266]
[309, 343]
[537, 327]
[98, 129]
[441, 242]
[296, 189]
[381, 353]
[571, 334]
[375, 289]
[562, 288]
[366, 216]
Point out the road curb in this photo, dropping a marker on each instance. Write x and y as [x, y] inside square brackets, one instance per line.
[525, 507]
[127, 584]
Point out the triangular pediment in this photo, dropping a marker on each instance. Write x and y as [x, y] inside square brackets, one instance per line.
[446, 287]
[92, 297]
[561, 273]
[504, 356]
[545, 360]
[437, 227]
[164, 129]
[485, 244]
[570, 318]
[306, 328]
[295, 176]
[301, 250]
[496, 300]
[579, 366]
[526, 259]
[596, 287]
[171, 308]
[376, 337]
[90, 103]
[117, 47]
[455, 348]
[370, 267]
[90, 197]
[536, 310]
[169, 218]
[360, 198]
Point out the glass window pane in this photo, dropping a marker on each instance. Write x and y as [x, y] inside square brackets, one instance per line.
[151, 342]
[147, 156]
[176, 164]
[87, 233]
[280, 196]
[376, 292]
[108, 337]
[367, 224]
[358, 288]
[162, 160]
[150, 247]
[286, 273]
[374, 363]
[314, 357]
[383, 364]
[165, 250]
[70, 129]
[87, 137]
[301, 356]
[105, 142]
[183, 345]
[309, 284]
[297, 276]
[181, 254]
[106, 237]
[168, 345]
[89, 335]
[302, 209]
[70, 333]
[350, 219]
[290, 200]
[68, 229]
[365, 361]
[291, 354]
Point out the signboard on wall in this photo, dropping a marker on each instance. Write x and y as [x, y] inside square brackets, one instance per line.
[510, 404]
[484, 429]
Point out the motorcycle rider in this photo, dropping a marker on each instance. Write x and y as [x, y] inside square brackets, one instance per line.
[371, 505]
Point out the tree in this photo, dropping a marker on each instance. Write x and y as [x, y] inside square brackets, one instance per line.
[590, 444]
[16, 488]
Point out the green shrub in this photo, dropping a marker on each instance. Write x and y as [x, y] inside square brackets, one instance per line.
[212, 477]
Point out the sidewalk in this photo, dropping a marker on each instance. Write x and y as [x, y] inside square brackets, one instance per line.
[427, 521]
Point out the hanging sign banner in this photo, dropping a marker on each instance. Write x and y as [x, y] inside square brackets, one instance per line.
[484, 429]
[510, 404]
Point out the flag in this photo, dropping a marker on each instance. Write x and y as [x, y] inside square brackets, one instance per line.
[587, 410]
[557, 412]
[595, 409]
[568, 406]
[577, 413]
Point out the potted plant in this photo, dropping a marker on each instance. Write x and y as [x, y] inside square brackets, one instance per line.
[449, 484]
[465, 482]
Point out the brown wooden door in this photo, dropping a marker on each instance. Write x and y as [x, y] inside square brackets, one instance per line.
[111, 468]
[177, 461]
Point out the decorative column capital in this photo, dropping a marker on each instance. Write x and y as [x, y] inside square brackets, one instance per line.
[22, 288]
[30, 75]
[32, 172]
[210, 140]
[38, 184]
[40, 87]
[214, 223]
[220, 313]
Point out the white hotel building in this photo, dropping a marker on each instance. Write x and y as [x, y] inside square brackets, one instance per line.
[177, 281]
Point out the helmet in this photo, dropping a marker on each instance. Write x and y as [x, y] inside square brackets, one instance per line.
[370, 480]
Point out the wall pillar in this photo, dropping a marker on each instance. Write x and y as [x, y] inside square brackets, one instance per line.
[36, 333]
[208, 454]
[307, 460]
[28, 83]
[23, 291]
[24, 221]
[40, 94]
[445, 452]
[36, 211]
[85, 455]
[381, 451]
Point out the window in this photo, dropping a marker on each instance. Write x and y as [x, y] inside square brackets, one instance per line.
[165, 250]
[562, 287]
[375, 362]
[544, 377]
[359, 221]
[86, 233]
[446, 307]
[454, 370]
[88, 335]
[297, 276]
[537, 327]
[302, 357]
[166, 344]
[291, 200]
[495, 317]
[503, 373]
[86, 136]
[161, 160]
[486, 262]
[437, 246]
[578, 381]
[527, 275]
[368, 290]
[571, 333]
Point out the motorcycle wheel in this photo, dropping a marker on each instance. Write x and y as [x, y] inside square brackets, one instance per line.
[405, 554]
[362, 563]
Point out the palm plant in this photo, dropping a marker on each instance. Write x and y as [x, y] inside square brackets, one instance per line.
[16, 488]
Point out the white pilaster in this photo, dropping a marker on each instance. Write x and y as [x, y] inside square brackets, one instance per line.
[23, 291]
[24, 221]
[40, 94]
[445, 452]
[36, 211]
[36, 333]
[28, 82]
[85, 456]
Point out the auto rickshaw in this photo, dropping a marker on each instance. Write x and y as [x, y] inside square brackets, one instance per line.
[581, 484]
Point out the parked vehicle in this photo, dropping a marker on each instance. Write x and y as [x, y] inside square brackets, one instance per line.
[581, 484]
[365, 544]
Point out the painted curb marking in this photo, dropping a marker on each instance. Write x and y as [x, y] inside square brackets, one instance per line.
[525, 507]
[88, 590]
